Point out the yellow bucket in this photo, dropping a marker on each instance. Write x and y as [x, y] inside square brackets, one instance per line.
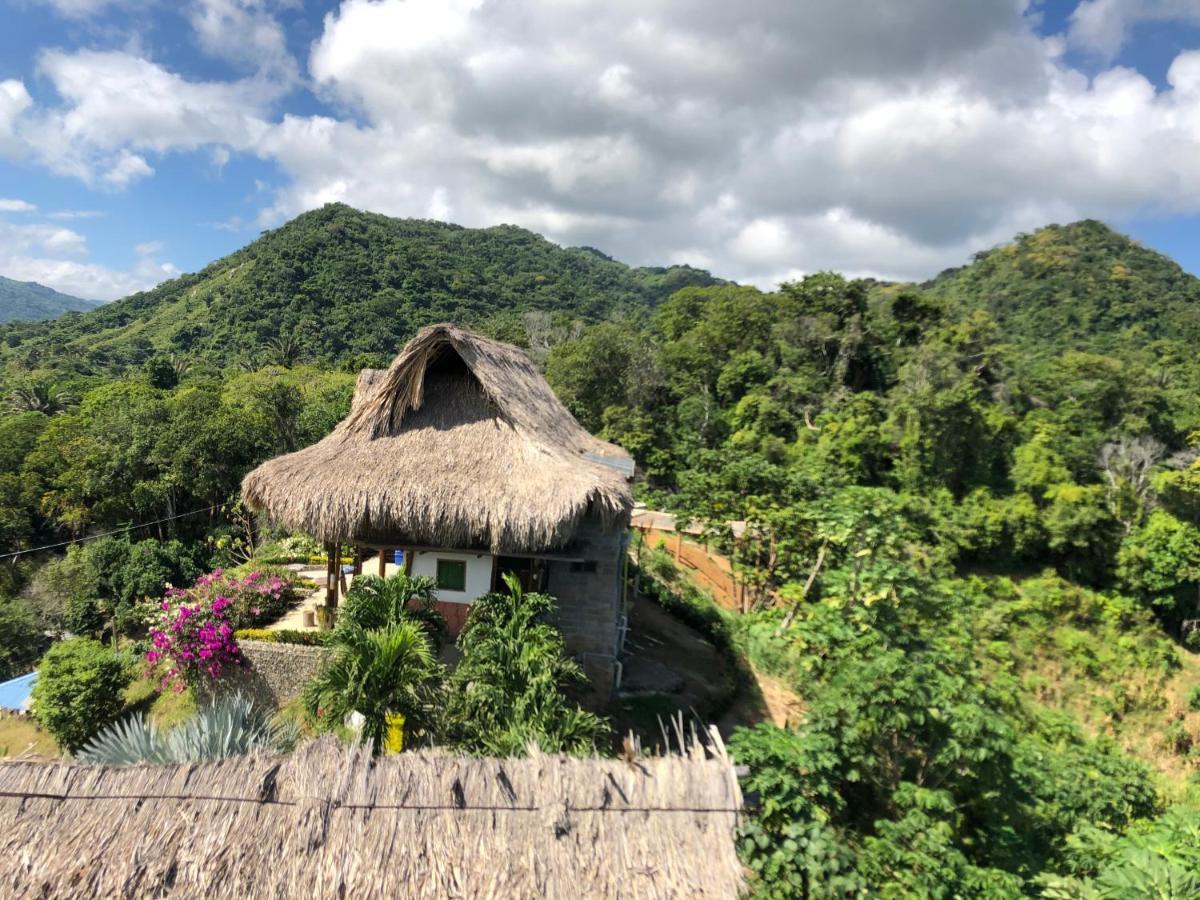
[394, 742]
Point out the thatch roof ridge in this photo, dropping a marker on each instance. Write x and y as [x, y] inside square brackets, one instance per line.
[333, 821]
[486, 456]
[508, 378]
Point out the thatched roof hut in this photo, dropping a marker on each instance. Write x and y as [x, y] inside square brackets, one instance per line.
[460, 443]
[330, 821]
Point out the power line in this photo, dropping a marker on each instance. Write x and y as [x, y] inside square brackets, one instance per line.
[92, 537]
[335, 805]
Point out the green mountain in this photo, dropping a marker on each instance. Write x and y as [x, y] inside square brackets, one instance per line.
[337, 284]
[1075, 286]
[29, 300]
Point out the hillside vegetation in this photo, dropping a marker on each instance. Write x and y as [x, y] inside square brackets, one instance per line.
[28, 300]
[972, 511]
[341, 286]
[1077, 286]
[973, 552]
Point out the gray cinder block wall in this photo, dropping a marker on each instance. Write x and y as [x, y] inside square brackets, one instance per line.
[589, 602]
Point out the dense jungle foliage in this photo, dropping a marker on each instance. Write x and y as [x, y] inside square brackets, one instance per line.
[972, 510]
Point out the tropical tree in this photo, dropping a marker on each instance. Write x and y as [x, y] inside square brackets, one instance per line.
[378, 673]
[40, 396]
[285, 349]
[507, 692]
[374, 602]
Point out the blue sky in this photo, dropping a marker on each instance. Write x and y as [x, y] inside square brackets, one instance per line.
[762, 140]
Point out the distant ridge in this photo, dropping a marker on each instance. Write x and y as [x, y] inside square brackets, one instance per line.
[337, 286]
[1077, 286]
[28, 300]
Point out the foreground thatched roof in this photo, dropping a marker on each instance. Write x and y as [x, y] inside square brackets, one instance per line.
[460, 443]
[331, 822]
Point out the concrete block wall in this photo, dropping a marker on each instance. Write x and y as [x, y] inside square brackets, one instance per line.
[589, 603]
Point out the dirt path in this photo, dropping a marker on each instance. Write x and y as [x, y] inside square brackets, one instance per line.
[767, 700]
[760, 697]
[710, 571]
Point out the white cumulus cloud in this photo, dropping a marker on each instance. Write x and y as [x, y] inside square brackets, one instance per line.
[1103, 26]
[761, 138]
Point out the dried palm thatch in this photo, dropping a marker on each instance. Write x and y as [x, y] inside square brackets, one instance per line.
[460, 443]
[331, 821]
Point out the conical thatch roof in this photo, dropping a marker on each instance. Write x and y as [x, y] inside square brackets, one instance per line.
[331, 822]
[460, 443]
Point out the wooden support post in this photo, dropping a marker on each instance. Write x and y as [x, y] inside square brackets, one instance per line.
[408, 561]
[332, 570]
[358, 559]
[383, 555]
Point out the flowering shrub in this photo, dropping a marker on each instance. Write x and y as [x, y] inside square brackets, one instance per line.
[255, 599]
[194, 640]
[193, 629]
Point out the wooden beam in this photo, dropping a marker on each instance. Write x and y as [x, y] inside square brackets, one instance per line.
[333, 560]
[358, 559]
[550, 555]
[383, 555]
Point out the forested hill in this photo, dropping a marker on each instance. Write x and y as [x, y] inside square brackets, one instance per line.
[1077, 286]
[971, 542]
[336, 286]
[31, 301]
[344, 288]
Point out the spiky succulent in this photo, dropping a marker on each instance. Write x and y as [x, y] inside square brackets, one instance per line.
[229, 727]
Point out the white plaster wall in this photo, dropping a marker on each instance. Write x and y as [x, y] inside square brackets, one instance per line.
[479, 573]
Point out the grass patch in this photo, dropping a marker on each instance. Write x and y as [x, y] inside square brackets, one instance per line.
[1098, 657]
[170, 708]
[140, 696]
[21, 735]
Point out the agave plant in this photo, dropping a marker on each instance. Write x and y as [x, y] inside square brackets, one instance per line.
[232, 726]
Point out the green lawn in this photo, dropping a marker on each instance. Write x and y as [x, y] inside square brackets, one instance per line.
[21, 735]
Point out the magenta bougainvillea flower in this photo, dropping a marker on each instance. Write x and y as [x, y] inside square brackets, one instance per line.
[194, 641]
[193, 638]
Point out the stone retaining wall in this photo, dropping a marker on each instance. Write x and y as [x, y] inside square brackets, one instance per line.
[278, 672]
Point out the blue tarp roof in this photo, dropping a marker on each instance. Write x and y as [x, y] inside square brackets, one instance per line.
[14, 694]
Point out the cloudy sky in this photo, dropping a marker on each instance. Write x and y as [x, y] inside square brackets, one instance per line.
[760, 139]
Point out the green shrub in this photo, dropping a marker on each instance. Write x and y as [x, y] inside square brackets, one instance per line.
[509, 690]
[375, 602]
[283, 636]
[1193, 699]
[291, 549]
[79, 690]
[1179, 739]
